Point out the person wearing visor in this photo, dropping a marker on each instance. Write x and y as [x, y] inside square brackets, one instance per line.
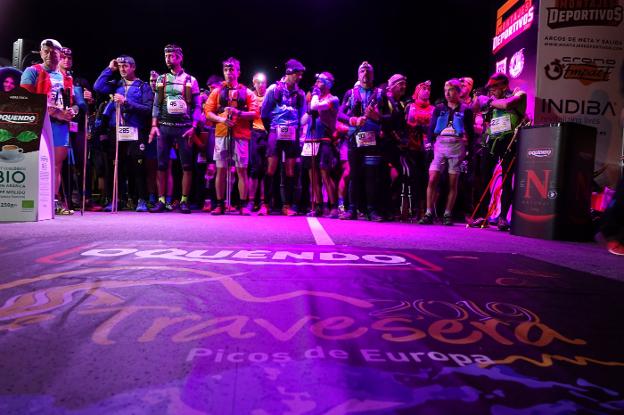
[47, 79]
[506, 111]
[134, 98]
[451, 130]
[176, 114]
[258, 149]
[319, 151]
[282, 114]
[232, 107]
[360, 111]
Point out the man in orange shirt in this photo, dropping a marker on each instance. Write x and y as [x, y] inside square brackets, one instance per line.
[232, 107]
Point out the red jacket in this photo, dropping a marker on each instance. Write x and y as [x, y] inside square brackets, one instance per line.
[43, 84]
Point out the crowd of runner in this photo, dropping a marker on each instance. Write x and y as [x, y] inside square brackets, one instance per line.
[380, 152]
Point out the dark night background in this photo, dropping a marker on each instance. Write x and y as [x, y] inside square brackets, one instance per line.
[435, 40]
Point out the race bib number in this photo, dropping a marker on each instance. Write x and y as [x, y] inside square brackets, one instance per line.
[285, 132]
[500, 124]
[365, 139]
[125, 133]
[73, 127]
[176, 106]
[449, 131]
[310, 149]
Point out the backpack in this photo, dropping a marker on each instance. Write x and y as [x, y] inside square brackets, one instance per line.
[224, 98]
[278, 94]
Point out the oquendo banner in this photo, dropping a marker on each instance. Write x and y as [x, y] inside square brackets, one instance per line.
[25, 158]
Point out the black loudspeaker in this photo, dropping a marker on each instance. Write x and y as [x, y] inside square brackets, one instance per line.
[24, 53]
[553, 183]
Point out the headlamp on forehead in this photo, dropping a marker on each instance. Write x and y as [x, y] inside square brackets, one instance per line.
[326, 78]
[294, 66]
[260, 77]
[173, 49]
[125, 59]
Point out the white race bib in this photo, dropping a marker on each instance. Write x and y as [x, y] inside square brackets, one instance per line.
[286, 132]
[500, 124]
[176, 106]
[310, 149]
[125, 133]
[73, 127]
[365, 139]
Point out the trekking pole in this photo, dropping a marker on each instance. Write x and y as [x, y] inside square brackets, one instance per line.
[496, 197]
[84, 164]
[314, 149]
[116, 161]
[485, 192]
[406, 192]
[228, 177]
[489, 185]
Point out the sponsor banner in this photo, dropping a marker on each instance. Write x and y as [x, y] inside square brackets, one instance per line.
[25, 161]
[514, 45]
[579, 72]
[144, 327]
[21, 122]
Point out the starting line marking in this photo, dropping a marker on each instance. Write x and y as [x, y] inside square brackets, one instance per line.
[320, 235]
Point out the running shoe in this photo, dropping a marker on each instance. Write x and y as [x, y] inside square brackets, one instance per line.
[141, 206]
[158, 208]
[184, 208]
[427, 219]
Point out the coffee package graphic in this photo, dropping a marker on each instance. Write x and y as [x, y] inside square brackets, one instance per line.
[25, 158]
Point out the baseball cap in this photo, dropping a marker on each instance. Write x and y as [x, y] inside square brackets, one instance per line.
[52, 43]
[497, 78]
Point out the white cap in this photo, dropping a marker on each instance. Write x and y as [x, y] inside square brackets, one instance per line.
[51, 43]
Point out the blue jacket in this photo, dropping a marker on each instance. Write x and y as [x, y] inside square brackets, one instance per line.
[137, 109]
